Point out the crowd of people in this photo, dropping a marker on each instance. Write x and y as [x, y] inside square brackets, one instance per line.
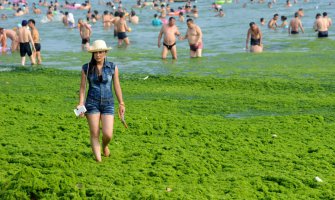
[117, 17]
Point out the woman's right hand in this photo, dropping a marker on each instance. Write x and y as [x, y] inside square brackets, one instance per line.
[82, 114]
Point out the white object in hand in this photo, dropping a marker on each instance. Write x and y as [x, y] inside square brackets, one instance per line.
[80, 110]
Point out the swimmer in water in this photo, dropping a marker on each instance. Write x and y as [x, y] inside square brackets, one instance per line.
[284, 23]
[220, 14]
[329, 20]
[181, 16]
[133, 18]
[262, 21]
[3, 40]
[321, 26]
[295, 24]
[36, 39]
[169, 31]
[273, 22]
[25, 39]
[194, 36]
[121, 29]
[85, 34]
[12, 35]
[255, 36]
[156, 21]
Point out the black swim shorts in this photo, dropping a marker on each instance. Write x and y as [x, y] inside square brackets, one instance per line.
[86, 40]
[323, 34]
[121, 35]
[37, 46]
[25, 49]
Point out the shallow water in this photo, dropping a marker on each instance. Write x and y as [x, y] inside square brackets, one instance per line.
[61, 46]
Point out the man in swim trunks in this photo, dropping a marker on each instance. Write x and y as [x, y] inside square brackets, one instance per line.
[13, 37]
[194, 36]
[170, 31]
[295, 24]
[3, 39]
[121, 28]
[85, 34]
[25, 40]
[321, 26]
[114, 21]
[36, 38]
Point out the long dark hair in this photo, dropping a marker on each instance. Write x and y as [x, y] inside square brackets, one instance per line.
[93, 65]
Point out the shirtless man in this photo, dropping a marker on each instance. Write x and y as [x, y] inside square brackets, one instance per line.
[194, 36]
[163, 12]
[3, 40]
[25, 40]
[273, 22]
[85, 34]
[295, 24]
[36, 10]
[255, 36]
[114, 21]
[106, 19]
[19, 13]
[325, 16]
[321, 26]
[195, 12]
[121, 28]
[170, 31]
[36, 38]
[133, 18]
[13, 37]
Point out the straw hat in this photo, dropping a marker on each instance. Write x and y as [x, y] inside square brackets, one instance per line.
[98, 45]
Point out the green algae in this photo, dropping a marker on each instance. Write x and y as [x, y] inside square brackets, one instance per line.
[203, 137]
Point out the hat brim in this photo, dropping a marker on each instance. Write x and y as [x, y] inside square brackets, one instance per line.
[96, 50]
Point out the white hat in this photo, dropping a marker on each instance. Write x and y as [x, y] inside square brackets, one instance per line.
[99, 45]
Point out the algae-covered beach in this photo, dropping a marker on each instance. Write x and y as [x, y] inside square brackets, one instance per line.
[258, 129]
[228, 125]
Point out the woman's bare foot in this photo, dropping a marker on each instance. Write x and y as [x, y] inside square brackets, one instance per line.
[106, 152]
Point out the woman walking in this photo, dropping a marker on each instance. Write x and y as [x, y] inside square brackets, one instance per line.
[100, 75]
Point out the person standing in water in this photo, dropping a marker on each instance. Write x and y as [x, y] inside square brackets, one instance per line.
[100, 75]
[36, 38]
[273, 22]
[85, 34]
[295, 24]
[194, 36]
[121, 28]
[255, 36]
[169, 31]
[25, 39]
[321, 26]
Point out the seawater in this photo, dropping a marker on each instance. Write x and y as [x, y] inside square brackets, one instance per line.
[61, 47]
